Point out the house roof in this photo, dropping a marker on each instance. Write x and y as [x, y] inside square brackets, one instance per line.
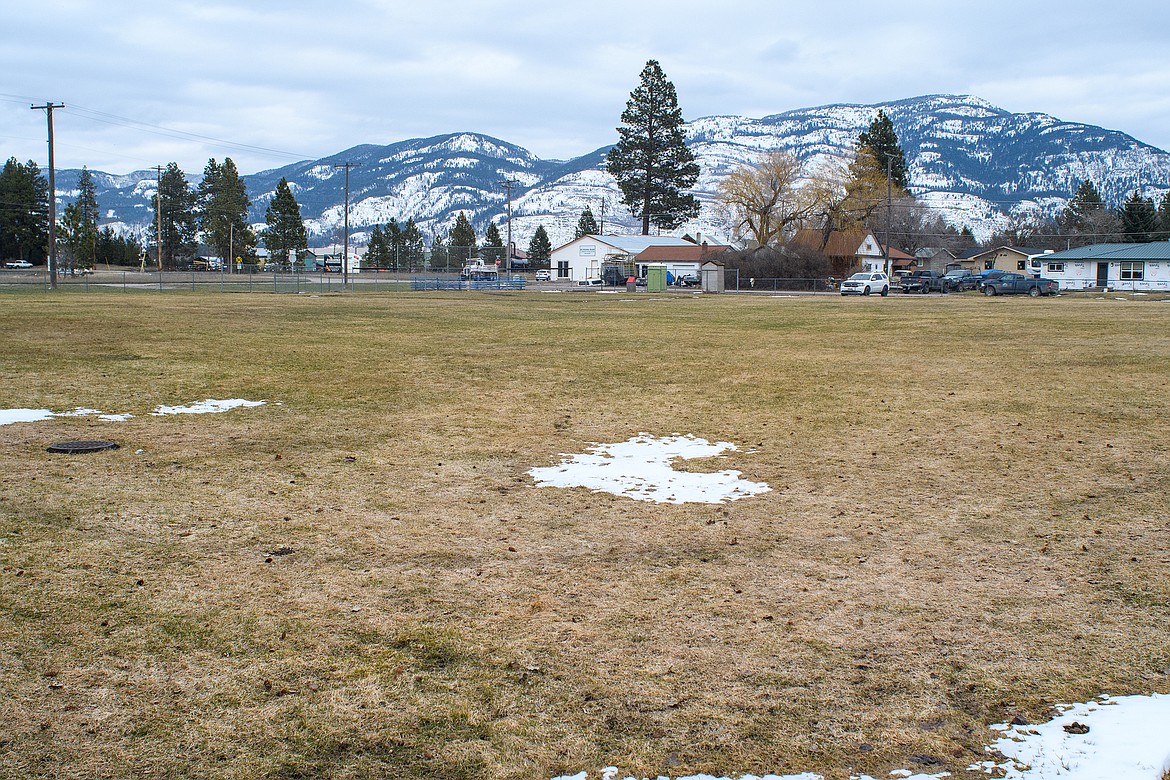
[1155, 250]
[688, 253]
[631, 245]
[898, 254]
[1020, 250]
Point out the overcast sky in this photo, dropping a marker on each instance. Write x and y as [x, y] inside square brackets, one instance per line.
[269, 83]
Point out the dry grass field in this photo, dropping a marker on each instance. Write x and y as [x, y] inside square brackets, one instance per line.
[969, 522]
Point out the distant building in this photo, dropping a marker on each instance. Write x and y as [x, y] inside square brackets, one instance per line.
[1134, 267]
[588, 257]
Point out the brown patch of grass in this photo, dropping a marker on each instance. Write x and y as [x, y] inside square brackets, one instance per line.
[967, 522]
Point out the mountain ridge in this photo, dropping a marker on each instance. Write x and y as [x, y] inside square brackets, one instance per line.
[979, 165]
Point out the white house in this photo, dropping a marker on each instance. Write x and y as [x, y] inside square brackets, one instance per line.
[1108, 266]
[586, 257]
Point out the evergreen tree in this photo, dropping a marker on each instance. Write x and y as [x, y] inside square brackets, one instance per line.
[440, 256]
[651, 161]
[285, 233]
[539, 248]
[376, 252]
[394, 245]
[88, 216]
[882, 142]
[1085, 204]
[586, 225]
[461, 241]
[493, 245]
[114, 249]
[74, 238]
[413, 249]
[1164, 218]
[174, 206]
[1139, 219]
[24, 212]
[223, 212]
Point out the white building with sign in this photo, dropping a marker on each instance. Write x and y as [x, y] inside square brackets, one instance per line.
[587, 256]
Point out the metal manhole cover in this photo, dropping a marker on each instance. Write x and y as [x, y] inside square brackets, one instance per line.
[76, 447]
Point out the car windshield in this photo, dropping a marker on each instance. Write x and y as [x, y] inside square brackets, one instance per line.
[860, 277]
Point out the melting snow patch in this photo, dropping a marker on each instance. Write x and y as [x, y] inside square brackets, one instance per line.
[612, 773]
[10, 416]
[1123, 737]
[209, 406]
[642, 468]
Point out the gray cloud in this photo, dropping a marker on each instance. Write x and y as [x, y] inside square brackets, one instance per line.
[282, 81]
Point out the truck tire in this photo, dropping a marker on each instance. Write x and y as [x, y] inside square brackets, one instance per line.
[925, 289]
[1034, 292]
[988, 290]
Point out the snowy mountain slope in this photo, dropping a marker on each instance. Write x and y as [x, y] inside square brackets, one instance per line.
[974, 162]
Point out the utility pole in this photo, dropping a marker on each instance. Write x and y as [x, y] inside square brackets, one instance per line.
[508, 251]
[601, 226]
[158, 238]
[345, 239]
[48, 109]
[889, 210]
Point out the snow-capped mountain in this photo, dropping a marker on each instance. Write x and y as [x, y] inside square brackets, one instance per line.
[976, 163]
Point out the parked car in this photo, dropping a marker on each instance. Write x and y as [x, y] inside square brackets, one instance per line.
[958, 280]
[590, 283]
[544, 275]
[1018, 284]
[687, 280]
[923, 281]
[18, 264]
[865, 283]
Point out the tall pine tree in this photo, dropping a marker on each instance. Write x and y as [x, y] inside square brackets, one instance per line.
[24, 212]
[87, 208]
[882, 142]
[174, 205]
[1164, 218]
[223, 211]
[461, 241]
[540, 248]
[1139, 219]
[285, 232]
[413, 248]
[493, 245]
[651, 161]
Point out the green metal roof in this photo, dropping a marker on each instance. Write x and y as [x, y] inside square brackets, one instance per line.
[1155, 250]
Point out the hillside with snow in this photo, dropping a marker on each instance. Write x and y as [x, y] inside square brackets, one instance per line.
[977, 164]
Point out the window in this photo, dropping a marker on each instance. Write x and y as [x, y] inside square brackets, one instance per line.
[1056, 268]
[1133, 270]
[562, 269]
[1021, 265]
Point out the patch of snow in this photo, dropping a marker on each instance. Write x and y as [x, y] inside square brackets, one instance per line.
[1119, 737]
[642, 468]
[209, 406]
[1127, 736]
[10, 416]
